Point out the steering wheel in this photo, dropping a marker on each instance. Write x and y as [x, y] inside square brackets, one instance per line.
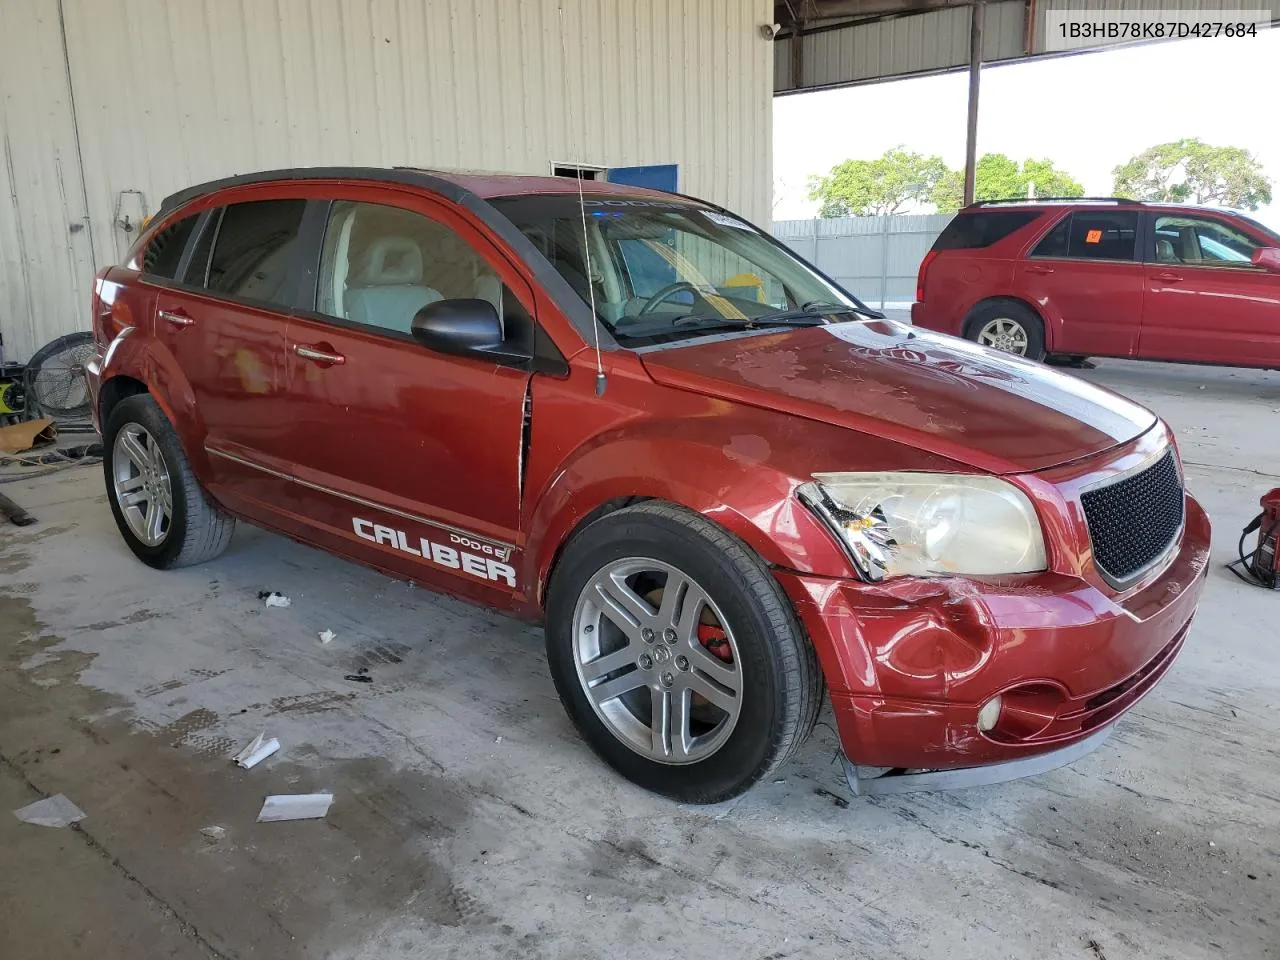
[666, 293]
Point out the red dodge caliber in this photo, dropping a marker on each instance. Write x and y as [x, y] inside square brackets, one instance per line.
[724, 485]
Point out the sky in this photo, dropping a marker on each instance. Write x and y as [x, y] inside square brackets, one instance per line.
[1088, 113]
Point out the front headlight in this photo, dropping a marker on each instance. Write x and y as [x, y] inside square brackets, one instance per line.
[929, 524]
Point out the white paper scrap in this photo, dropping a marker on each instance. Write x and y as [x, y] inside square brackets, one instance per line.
[295, 806]
[326, 636]
[258, 750]
[278, 600]
[55, 811]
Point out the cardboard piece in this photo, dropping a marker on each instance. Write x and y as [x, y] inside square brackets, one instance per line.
[25, 435]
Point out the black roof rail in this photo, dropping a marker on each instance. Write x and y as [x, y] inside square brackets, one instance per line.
[1034, 200]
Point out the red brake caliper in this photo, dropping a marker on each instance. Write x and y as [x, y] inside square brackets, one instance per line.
[716, 641]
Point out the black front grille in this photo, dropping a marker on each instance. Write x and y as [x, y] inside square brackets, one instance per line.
[1133, 521]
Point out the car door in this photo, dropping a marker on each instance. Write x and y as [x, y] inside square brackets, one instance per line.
[408, 458]
[223, 325]
[1205, 300]
[1086, 279]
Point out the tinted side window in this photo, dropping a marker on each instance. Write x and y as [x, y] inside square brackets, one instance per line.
[381, 265]
[253, 250]
[1090, 235]
[1054, 243]
[971, 231]
[1103, 236]
[165, 248]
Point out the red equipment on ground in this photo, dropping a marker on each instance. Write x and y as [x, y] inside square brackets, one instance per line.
[1262, 564]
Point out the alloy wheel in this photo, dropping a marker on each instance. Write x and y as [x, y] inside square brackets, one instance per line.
[1004, 334]
[657, 660]
[140, 479]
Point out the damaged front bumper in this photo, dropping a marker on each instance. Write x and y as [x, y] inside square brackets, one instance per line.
[879, 780]
[910, 663]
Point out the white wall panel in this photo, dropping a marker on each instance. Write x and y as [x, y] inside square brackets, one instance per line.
[45, 261]
[174, 92]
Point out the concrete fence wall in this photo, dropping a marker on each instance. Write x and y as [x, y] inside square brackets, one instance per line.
[875, 258]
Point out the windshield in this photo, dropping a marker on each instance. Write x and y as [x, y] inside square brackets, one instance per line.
[1267, 234]
[665, 270]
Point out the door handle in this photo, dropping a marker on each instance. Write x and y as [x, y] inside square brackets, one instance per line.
[1167, 277]
[174, 317]
[1037, 268]
[319, 356]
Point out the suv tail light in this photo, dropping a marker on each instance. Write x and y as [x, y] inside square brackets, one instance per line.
[924, 267]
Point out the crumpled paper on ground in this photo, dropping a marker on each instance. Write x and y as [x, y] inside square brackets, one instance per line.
[55, 811]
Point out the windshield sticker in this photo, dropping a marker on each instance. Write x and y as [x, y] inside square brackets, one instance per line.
[610, 202]
[727, 221]
[1093, 236]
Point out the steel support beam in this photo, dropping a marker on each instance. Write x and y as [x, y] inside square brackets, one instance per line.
[975, 78]
[839, 9]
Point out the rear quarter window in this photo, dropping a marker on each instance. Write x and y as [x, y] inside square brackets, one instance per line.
[164, 250]
[978, 229]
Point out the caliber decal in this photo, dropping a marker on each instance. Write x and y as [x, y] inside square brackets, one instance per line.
[479, 559]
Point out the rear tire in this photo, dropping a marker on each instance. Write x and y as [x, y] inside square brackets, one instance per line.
[703, 746]
[162, 512]
[1008, 326]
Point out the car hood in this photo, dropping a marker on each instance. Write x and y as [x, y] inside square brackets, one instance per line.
[948, 396]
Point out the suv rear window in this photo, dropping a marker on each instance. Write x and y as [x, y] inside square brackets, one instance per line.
[976, 229]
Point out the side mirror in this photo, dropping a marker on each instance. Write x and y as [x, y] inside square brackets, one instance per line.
[1268, 258]
[465, 328]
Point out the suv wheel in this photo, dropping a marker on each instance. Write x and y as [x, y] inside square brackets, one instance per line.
[677, 655]
[1009, 327]
[163, 514]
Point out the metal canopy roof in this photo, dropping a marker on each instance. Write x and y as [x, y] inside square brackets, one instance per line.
[834, 43]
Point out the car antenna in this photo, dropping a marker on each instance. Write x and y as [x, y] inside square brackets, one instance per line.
[601, 380]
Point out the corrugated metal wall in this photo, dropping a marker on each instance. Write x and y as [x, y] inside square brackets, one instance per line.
[897, 46]
[874, 258]
[46, 261]
[172, 93]
[939, 40]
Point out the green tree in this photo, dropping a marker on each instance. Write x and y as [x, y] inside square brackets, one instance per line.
[864, 188]
[1190, 170]
[998, 177]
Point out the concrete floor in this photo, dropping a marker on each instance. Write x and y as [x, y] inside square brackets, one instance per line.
[470, 820]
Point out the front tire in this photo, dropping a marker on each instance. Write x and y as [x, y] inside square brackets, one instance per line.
[677, 655]
[1007, 326]
[161, 510]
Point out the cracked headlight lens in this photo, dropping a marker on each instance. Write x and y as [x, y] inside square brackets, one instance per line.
[929, 524]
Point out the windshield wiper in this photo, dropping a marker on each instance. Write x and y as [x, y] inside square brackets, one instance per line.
[790, 319]
[828, 306]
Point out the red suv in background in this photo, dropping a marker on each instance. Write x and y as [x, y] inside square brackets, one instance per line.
[723, 485]
[1107, 278]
